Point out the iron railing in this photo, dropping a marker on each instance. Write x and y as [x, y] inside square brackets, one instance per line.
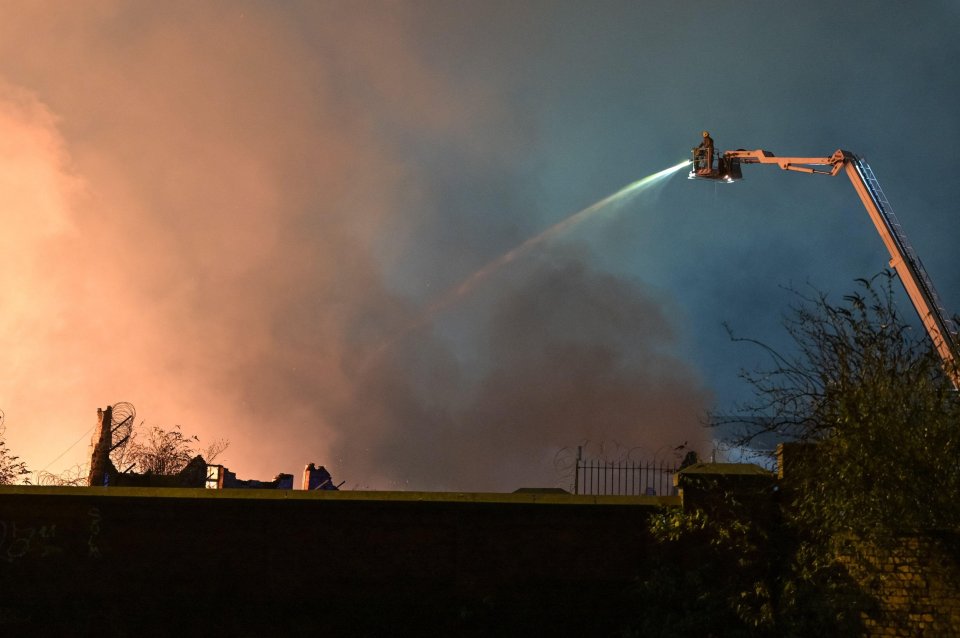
[623, 478]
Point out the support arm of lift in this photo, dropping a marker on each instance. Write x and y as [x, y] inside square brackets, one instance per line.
[941, 329]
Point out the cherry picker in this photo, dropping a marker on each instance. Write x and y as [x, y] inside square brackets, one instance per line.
[904, 260]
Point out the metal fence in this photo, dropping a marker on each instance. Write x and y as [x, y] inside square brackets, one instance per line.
[623, 478]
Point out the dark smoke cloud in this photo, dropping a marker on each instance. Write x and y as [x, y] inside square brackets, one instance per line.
[581, 356]
[570, 355]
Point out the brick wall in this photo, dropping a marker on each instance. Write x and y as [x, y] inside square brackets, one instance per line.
[167, 562]
[915, 581]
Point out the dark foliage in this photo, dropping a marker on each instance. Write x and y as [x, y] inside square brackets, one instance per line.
[12, 469]
[166, 452]
[875, 419]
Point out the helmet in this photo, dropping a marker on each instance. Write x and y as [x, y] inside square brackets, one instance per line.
[705, 134]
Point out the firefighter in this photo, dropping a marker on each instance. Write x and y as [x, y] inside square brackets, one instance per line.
[705, 154]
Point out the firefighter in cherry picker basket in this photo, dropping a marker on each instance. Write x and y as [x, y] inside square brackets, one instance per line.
[704, 155]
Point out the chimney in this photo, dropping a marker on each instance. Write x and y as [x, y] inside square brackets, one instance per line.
[100, 460]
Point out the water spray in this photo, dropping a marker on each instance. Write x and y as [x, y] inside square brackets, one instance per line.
[458, 292]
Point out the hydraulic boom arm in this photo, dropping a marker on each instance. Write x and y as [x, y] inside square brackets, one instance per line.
[903, 259]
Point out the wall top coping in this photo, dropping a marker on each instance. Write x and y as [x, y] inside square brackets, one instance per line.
[528, 498]
[738, 469]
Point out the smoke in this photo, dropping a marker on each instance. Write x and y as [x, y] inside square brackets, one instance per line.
[195, 204]
[560, 228]
[573, 356]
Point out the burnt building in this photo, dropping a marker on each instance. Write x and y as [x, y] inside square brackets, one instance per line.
[197, 473]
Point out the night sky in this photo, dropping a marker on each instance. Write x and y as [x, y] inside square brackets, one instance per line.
[237, 215]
